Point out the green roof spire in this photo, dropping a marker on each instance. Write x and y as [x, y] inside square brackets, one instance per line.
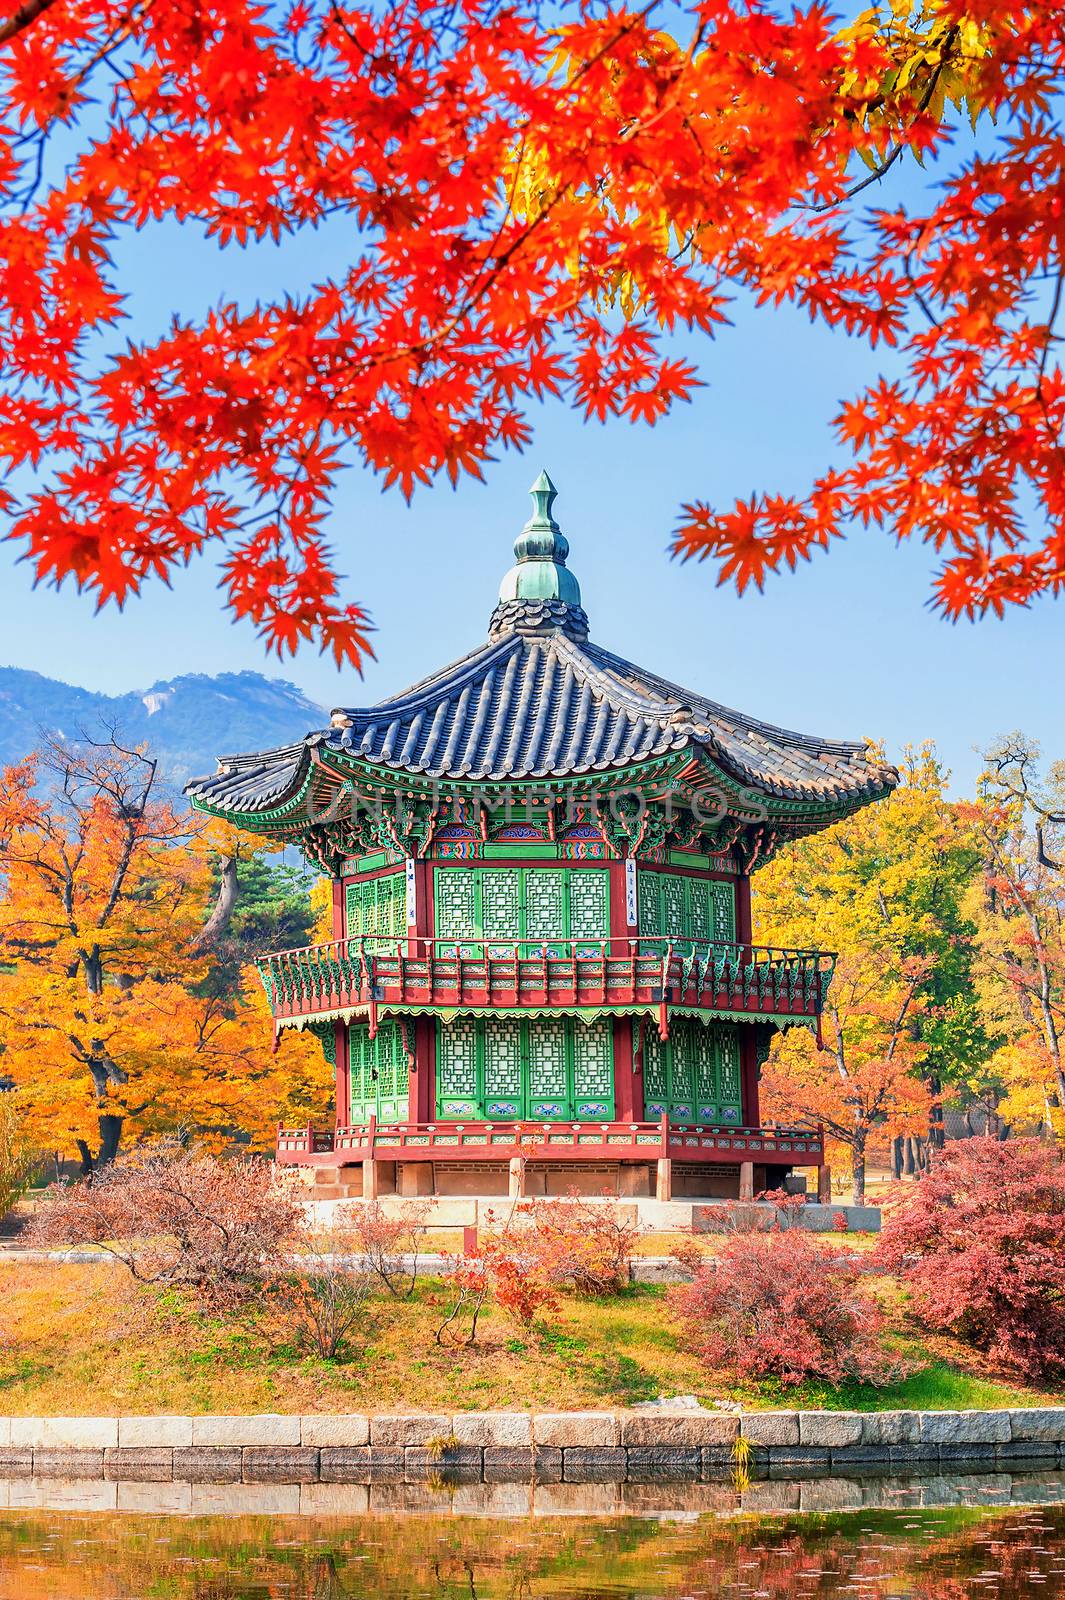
[541, 549]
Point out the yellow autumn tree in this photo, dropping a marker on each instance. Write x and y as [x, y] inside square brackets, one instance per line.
[885, 889]
[112, 1028]
[1018, 905]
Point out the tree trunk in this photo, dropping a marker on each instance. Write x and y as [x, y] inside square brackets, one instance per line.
[220, 917]
[897, 1147]
[858, 1169]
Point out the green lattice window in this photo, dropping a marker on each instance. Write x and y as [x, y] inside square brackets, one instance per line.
[380, 1073]
[531, 905]
[546, 1068]
[695, 1074]
[376, 909]
[675, 906]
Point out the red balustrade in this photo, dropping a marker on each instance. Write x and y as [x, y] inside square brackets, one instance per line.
[358, 975]
[555, 1141]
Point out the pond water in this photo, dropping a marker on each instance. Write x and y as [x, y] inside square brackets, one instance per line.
[948, 1552]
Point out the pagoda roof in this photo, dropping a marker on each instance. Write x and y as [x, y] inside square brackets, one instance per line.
[538, 700]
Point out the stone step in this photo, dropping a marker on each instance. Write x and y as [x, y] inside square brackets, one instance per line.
[337, 1191]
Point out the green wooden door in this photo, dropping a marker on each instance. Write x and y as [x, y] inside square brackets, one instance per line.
[694, 1076]
[510, 1068]
[688, 911]
[492, 909]
[380, 1073]
[376, 910]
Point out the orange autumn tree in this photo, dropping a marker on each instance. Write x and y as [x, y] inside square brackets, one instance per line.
[532, 201]
[887, 890]
[111, 1029]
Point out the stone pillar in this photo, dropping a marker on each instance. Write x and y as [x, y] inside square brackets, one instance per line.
[747, 1180]
[369, 1179]
[516, 1187]
[415, 1178]
[824, 1185]
[664, 1179]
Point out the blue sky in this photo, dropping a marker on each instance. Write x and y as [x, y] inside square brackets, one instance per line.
[845, 647]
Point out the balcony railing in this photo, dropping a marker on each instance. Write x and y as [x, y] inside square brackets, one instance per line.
[554, 1141]
[353, 974]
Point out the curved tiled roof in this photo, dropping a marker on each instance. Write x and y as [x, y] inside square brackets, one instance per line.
[538, 700]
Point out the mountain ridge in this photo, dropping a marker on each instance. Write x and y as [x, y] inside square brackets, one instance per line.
[189, 721]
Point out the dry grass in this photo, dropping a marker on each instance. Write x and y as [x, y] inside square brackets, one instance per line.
[78, 1340]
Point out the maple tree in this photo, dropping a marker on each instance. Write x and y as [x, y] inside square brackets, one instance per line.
[776, 1305]
[111, 1024]
[980, 1244]
[536, 202]
[886, 889]
[1018, 906]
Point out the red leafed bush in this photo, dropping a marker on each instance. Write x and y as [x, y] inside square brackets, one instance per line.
[581, 1244]
[980, 1242]
[776, 1305]
[177, 1218]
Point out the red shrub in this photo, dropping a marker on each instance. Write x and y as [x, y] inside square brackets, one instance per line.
[580, 1244]
[980, 1242]
[776, 1305]
[390, 1245]
[177, 1218]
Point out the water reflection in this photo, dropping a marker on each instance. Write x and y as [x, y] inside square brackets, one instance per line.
[950, 1553]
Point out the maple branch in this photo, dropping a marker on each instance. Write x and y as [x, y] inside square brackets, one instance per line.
[24, 17]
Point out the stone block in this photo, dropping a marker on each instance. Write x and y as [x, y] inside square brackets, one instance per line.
[208, 1464]
[491, 1428]
[1027, 1450]
[283, 1464]
[5, 1432]
[509, 1463]
[594, 1464]
[860, 1455]
[891, 1427]
[649, 1269]
[267, 1429]
[576, 1429]
[678, 1429]
[154, 1499]
[800, 1460]
[460, 1463]
[65, 1433]
[770, 1427]
[836, 1429]
[575, 1499]
[245, 1499]
[16, 1463]
[349, 1429]
[664, 1463]
[154, 1433]
[62, 1494]
[716, 1462]
[139, 1465]
[913, 1455]
[351, 1463]
[1044, 1422]
[416, 1428]
[334, 1499]
[68, 1463]
[965, 1427]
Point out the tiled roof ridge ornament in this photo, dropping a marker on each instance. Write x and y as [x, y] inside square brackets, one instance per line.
[539, 594]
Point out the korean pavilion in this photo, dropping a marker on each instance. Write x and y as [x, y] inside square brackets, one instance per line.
[541, 974]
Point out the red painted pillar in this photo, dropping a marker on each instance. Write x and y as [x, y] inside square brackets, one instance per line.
[743, 909]
[422, 1096]
[342, 1094]
[628, 1087]
[749, 1078]
[338, 908]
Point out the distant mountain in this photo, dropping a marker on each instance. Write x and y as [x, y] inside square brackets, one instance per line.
[188, 721]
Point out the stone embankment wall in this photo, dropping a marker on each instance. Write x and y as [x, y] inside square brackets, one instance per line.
[592, 1447]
